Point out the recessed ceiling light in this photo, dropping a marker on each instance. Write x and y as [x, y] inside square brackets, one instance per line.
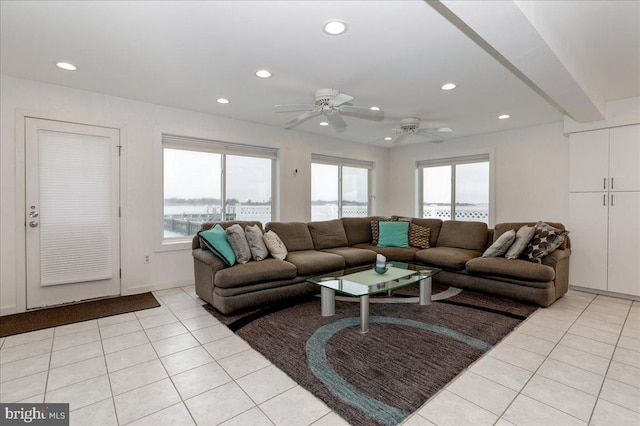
[324, 123]
[334, 27]
[388, 138]
[375, 108]
[503, 116]
[448, 86]
[263, 73]
[66, 66]
[222, 100]
[444, 129]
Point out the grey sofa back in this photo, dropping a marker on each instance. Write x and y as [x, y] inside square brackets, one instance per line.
[434, 226]
[294, 235]
[464, 235]
[358, 229]
[327, 234]
[195, 243]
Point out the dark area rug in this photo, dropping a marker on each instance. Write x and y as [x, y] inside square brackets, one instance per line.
[77, 312]
[378, 378]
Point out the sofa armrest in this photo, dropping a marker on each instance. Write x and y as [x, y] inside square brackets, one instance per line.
[206, 265]
[556, 256]
[209, 258]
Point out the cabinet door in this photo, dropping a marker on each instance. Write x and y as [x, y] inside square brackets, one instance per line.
[624, 243]
[624, 158]
[589, 161]
[588, 225]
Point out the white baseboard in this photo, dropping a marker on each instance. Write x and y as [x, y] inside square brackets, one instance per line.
[605, 293]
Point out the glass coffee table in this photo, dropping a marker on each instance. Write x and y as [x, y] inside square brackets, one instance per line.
[363, 282]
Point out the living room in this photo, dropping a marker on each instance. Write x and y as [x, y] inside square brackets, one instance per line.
[529, 160]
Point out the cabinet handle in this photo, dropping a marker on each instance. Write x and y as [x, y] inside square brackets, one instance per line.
[612, 199]
[604, 183]
[611, 183]
[604, 199]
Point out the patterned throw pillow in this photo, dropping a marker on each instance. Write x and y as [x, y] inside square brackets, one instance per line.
[419, 236]
[375, 230]
[545, 240]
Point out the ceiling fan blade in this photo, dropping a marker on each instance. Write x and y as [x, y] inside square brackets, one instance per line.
[367, 113]
[339, 99]
[301, 118]
[400, 138]
[336, 120]
[295, 107]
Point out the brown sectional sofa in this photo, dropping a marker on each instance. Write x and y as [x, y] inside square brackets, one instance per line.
[321, 247]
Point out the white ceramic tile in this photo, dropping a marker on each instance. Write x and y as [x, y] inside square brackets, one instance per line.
[448, 409]
[24, 367]
[82, 394]
[603, 315]
[219, 404]
[36, 399]
[175, 415]
[333, 419]
[502, 372]
[294, 407]
[551, 323]
[570, 375]
[174, 344]
[624, 373]
[580, 359]
[608, 414]
[254, 417]
[592, 333]
[116, 319]
[564, 398]
[125, 341]
[76, 372]
[625, 356]
[168, 292]
[2, 339]
[102, 413]
[176, 298]
[32, 336]
[165, 331]
[23, 387]
[76, 339]
[622, 394]
[632, 332]
[63, 330]
[128, 357]
[599, 325]
[516, 356]
[588, 345]
[227, 346]
[529, 343]
[199, 322]
[75, 354]
[629, 343]
[136, 376]
[540, 332]
[152, 312]
[186, 360]
[188, 312]
[26, 350]
[119, 329]
[200, 379]
[483, 392]
[525, 411]
[157, 320]
[145, 400]
[266, 383]
[243, 363]
[566, 315]
[210, 334]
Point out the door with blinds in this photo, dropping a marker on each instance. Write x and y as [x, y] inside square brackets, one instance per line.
[72, 212]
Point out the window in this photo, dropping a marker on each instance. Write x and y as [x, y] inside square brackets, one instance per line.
[339, 188]
[455, 188]
[205, 181]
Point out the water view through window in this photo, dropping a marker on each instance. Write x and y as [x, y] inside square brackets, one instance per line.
[338, 191]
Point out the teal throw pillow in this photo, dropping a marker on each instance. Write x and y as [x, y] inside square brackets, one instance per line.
[216, 241]
[393, 234]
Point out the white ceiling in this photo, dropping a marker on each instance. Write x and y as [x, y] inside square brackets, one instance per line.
[395, 55]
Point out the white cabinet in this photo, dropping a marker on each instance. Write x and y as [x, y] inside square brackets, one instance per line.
[604, 209]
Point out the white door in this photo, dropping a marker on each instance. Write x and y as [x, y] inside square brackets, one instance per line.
[589, 161]
[624, 243]
[624, 158]
[72, 212]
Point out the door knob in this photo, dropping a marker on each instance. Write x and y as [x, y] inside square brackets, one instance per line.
[33, 224]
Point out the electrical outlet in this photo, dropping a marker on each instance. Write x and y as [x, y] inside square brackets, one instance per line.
[146, 259]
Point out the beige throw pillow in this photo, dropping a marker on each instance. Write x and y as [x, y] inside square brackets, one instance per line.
[254, 235]
[523, 237]
[501, 245]
[275, 245]
[238, 242]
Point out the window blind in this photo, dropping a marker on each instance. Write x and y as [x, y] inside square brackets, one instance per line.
[197, 144]
[338, 161]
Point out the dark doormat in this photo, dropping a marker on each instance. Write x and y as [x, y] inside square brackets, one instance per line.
[379, 378]
[77, 312]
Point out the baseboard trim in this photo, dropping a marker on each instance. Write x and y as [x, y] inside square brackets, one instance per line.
[605, 293]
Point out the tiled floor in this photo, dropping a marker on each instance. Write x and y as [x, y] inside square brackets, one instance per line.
[576, 362]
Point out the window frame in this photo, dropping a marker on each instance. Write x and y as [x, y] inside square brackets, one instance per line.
[453, 161]
[340, 163]
[172, 141]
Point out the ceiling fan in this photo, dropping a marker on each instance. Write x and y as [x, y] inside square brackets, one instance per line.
[332, 104]
[410, 127]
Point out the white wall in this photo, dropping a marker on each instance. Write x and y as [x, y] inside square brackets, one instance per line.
[530, 168]
[142, 124]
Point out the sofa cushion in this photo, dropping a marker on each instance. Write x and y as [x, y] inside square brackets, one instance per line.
[357, 229]
[294, 235]
[255, 272]
[393, 234]
[216, 241]
[199, 242]
[523, 237]
[500, 228]
[375, 228]
[327, 234]
[399, 254]
[511, 268]
[354, 256]
[464, 235]
[239, 244]
[255, 238]
[419, 236]
[274, 244]
[447, 257]
[434, 226]
[312, 262]
[501, 245]
[546, 239]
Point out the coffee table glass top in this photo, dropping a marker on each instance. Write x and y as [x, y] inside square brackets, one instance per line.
[365, 281]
